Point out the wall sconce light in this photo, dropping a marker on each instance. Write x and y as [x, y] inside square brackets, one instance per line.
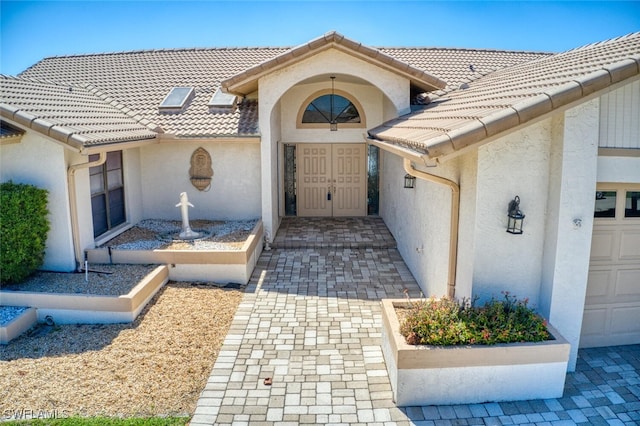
[409, 181]
[516, 217]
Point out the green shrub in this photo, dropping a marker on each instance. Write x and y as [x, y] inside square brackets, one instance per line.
[23, 230]
[447, 322]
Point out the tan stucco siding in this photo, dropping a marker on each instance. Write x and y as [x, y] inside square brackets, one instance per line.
[419, 220]
[235, 186]
[517, 164]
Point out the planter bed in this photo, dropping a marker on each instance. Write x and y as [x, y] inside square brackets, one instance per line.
[220, 265]
[22, 320]
[444, 375]
[65, 308]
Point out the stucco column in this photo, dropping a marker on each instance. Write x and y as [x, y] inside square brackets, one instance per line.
[572, 188]
[269, 120]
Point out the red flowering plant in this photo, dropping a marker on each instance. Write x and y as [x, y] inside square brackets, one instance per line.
[449, 322]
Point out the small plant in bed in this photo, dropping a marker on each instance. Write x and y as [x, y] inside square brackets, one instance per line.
[449, 322]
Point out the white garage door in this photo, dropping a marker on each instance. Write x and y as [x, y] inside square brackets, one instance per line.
[612, 307]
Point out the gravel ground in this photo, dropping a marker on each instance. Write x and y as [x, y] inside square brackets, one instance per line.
[153, 234]
[8, 313]
[107, 280]
[157, 365]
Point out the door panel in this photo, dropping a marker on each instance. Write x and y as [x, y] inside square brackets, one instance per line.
[314, 176]
[349, 174]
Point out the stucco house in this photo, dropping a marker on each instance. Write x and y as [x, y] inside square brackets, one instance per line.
[332, 128]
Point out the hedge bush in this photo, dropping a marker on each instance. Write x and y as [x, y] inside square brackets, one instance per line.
[447, 322]
[23, 230]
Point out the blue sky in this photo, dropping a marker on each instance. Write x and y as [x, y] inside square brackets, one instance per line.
[32, 30]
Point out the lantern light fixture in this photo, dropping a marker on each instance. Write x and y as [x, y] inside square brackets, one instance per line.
[515, 217]
[409, 181]
[333, 124]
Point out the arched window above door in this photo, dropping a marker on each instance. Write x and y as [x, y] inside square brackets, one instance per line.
[326, 107]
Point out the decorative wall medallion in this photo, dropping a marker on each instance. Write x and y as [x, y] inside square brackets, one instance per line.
[201, 172]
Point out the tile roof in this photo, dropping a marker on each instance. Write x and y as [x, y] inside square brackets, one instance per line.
[512, 96]
[72, 115]
[458, 66]
[140, 80]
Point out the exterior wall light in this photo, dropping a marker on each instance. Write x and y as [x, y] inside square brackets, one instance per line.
[516, 217]
[409, 181]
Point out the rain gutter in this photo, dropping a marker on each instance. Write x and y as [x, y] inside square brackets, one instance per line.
[455, 218]
[73, 205]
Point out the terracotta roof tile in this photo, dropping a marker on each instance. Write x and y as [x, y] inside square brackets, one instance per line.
[69, 114]
[513, 96]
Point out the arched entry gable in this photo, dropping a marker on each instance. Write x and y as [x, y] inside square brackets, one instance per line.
[332, 61]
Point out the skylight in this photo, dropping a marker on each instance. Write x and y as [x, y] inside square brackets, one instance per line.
[222, 100]
[177, 97]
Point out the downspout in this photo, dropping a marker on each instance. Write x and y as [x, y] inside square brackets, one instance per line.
[73, 205]
[455, 218]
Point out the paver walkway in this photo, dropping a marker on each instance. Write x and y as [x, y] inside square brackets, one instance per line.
[310, 322]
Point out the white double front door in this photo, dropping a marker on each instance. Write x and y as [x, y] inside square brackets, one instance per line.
[331, 179]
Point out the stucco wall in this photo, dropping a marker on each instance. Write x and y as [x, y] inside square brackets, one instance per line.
[517, 164]
[270, 185]
[83, 200]
[490, 260]
[419, 220]
[566, 266]
[18, 163]
[553, 205]
[468, 166]
[235, 187]
[273, 86]
[131, 162]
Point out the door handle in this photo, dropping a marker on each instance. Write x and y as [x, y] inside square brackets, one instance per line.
[329, 193]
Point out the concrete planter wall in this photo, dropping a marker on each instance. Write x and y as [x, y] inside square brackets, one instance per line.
[90, 309]
[430, 375]
[221, 266]
[19, 325]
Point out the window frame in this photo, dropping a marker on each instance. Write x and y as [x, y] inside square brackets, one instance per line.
[621, 190]
[316, 95]
[107, 191]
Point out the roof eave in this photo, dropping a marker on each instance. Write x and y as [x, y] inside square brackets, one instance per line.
[65, 135]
